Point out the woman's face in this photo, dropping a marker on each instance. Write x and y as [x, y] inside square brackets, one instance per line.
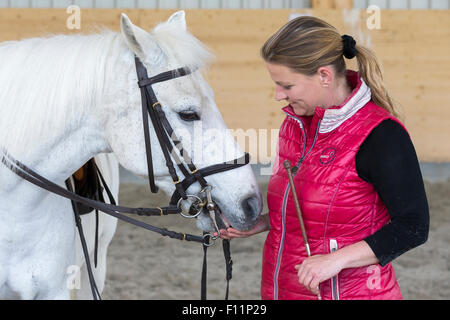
[301, 92]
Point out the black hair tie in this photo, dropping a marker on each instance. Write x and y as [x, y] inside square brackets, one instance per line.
[349, 46]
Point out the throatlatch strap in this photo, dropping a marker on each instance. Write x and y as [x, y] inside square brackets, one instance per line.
[142, 74]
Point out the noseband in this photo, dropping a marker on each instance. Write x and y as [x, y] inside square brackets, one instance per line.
[201, 201]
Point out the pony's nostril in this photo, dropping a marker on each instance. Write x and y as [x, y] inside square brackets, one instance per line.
[252, 207]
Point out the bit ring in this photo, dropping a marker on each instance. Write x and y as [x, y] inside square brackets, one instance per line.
[187, 215]
[212, 240]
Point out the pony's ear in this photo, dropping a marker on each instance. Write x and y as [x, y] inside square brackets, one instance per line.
[178, 19]
[140, 41]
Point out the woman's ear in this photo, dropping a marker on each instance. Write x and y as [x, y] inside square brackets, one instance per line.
[326, 76]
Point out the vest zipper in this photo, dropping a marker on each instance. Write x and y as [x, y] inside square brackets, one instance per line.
[335, 279]
[285, 197]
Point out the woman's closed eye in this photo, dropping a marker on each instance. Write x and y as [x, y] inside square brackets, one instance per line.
[285, 86]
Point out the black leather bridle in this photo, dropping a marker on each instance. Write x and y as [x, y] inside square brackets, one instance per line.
[166, 137]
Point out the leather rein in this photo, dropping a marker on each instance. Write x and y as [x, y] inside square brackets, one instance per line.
[166, 137]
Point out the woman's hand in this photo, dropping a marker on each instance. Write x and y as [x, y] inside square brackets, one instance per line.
[316, 269]
[261, 225]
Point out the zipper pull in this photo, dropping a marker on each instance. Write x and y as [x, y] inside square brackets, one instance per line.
[299, 163]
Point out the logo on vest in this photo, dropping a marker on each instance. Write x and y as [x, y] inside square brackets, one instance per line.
[327, 155]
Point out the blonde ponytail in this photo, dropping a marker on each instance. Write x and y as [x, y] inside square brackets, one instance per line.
[370, 70]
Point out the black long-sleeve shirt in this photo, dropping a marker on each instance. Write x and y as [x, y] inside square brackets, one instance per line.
[387, 159]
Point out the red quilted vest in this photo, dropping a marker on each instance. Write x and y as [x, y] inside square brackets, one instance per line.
[338, 207]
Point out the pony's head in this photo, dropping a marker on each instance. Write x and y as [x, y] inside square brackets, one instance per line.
[188, 104]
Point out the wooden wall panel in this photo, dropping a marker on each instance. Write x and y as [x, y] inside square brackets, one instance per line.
[332, 4]
[412, 45]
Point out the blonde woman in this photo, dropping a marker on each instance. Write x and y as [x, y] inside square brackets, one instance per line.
[356, 172]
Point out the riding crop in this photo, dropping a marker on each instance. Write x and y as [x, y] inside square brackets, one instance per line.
[287, 166]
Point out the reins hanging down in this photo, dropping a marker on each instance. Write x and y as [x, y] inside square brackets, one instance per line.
[152, 108]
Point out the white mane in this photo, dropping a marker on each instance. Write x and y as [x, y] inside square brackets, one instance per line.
[48, 82]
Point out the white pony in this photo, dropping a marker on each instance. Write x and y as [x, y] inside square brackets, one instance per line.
[66, 99]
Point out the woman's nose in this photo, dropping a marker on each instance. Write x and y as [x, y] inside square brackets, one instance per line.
[280, 94]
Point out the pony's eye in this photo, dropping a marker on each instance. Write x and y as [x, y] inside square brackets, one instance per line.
[189, 115]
